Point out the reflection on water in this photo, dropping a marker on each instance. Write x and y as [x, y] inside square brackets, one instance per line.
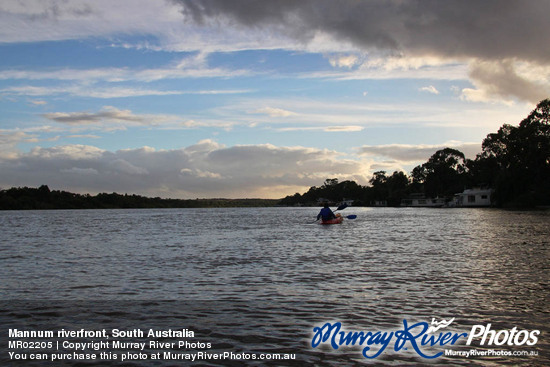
[275, 274]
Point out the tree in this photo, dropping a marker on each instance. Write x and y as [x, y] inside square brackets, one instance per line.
[397, 184]
[330, 182]
[443, 174]
[378, 183]
[389, 188]
[519, 159]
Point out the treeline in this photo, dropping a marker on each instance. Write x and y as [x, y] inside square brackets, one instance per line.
[43, 198]
[514, 162]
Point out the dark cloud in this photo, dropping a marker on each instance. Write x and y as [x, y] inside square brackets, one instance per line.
[500, 78]
[106, 114]
[489, 29]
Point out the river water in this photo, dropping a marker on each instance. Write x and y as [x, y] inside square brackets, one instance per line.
[259, 280]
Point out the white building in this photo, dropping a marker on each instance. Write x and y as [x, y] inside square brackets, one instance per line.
[419, 200]
[348, 202]
[474, 197]
[379, 203]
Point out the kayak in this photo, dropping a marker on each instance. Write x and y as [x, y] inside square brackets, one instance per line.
[337, 220]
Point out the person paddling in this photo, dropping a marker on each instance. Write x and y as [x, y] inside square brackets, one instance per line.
[326, 213]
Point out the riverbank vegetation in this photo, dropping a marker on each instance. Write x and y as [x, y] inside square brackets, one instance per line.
[44, 198]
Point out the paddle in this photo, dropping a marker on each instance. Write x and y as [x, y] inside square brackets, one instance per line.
[341, 207]
[344, 206]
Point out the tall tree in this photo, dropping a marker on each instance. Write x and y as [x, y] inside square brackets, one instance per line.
[519, 158]
[515, 160]
[443, 174]
[397, 185]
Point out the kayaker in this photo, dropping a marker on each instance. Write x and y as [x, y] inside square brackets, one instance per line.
[326, 213]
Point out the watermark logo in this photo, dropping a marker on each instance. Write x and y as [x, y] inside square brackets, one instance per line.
[439, 325]
[510, 337]
[420, 337]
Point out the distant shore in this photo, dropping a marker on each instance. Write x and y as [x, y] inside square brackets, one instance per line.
[25, 198]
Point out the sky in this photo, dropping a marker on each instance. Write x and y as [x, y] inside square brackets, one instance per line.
[255, 98]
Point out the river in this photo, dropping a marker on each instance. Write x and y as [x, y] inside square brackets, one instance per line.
[258, 280]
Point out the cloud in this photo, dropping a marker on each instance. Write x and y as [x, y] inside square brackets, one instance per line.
[50, 20]
[67, 153]
[185, 69]
[89, 90]
[111, 118]
[206, 169]
[505, 79]
[450, 28]
[337, 115]
[86, 91]
[108, 113]
[429, 89]
[274, 112]
[410, 35]
[79, 171]
[46, 9]
[106, 83]
[368, 39]
[39, 103]
[404, 157]
[347, 61]
[384, 70]
[9, 139]
[84, 136]
[343, 128]
[407, 154]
